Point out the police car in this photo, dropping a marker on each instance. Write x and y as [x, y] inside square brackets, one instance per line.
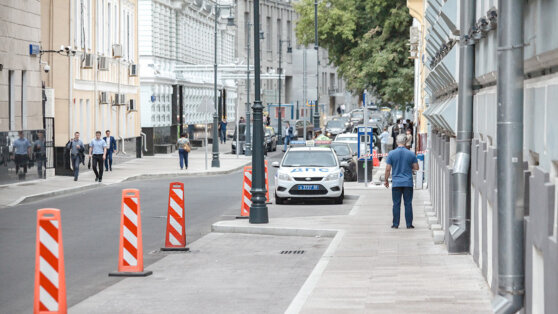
[309, 172]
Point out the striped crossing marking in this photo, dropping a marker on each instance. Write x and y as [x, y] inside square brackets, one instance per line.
[176, 222]
[50, 283]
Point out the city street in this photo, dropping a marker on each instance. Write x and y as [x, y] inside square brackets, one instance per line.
[90, 222]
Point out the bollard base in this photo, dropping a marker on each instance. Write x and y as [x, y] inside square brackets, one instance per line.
[131, 274]
[181, 249]
[242, 217]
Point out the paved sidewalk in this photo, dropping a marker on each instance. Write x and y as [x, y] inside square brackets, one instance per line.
[371, 268]
[137, 168]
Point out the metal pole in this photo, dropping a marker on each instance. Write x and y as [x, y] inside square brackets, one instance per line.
[206, 136]
[215, 160]
[279, 125]
[317, 104]
[365, 118]
[258, 209]
[248, 149]
[458, 241]
[511, 210]
[304, 92]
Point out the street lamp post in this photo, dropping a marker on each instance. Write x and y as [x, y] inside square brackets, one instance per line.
[317, 106]
[248, 142]
[215, 163]
[279, 125]
[258, 209]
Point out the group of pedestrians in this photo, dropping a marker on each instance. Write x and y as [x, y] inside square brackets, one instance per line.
[25, 153]
[100, 154]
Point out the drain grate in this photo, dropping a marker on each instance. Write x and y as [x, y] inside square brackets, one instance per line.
[293, 252]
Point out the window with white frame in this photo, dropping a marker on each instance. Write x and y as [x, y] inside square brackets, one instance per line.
[82, 32]
[101, 38]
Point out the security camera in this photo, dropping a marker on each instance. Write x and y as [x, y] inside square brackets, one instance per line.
[46, 68]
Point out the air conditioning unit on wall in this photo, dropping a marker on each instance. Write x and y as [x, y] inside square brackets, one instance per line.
[119, 99]
[103, 98]
[132, 105]
[102, 63]
[87, 61]
[133, 69]
[117, 51]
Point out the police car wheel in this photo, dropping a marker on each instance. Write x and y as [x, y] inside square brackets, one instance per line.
[339, 200]
[279, 200]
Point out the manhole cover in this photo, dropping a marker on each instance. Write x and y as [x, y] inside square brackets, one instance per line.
[292, 252]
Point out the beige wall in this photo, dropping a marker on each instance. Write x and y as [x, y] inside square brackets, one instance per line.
[78, 108]
[19, 27]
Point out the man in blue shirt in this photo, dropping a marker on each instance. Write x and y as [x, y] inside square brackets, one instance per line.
[21, 154]
[403, 162]
[384, 138]
[98, 152]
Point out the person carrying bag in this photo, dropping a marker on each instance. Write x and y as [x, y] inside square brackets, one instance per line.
[183, 150]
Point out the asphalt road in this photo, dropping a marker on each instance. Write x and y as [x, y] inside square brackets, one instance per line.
[90, 226]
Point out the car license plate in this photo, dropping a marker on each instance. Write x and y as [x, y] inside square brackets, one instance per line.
[308, 187]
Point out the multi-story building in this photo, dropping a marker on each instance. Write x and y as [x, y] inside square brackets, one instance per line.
[20, 79]
[277, 23]
[491, 196]
[176, 61]
[94, 85]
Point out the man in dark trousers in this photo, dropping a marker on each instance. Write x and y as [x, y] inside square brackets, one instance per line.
[111, 147]
[98, 152]
[403, 162]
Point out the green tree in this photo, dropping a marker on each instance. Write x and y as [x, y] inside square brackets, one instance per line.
[366, 40]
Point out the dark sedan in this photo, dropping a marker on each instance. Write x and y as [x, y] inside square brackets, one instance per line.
[346, 159]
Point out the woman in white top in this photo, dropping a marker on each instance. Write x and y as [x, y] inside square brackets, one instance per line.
[183, 150]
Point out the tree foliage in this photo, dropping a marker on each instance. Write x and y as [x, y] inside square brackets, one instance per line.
[366, 40]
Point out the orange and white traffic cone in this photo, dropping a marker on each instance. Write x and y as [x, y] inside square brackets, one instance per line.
[267, 184]
[130, 252]
[246, 200]
[375, 160]
[50, 279]
[175, 239]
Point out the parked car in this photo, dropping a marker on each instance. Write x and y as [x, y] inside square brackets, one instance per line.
[346, 159]
[334, 127]
[348, 138]
[270, 139]
[357, 116]
[299, 126]
[347, 122]
[242, 139]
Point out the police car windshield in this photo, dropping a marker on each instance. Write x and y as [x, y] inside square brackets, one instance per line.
[309, 159]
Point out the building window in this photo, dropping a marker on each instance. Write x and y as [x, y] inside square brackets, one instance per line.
[23, 100]
[109, 30]
[268, 34]
[11, 99]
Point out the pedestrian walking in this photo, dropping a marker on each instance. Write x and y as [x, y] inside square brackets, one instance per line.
[98, 153]
[409, 139]
[342, 108]
[395, 132]
[183, 150]
[22, 150]
[111, 147]
[384, 138]
[267, 120]
[288, 136]
[223, 128]
[39, 150]
[402, 162]
[339, 110]
[77, 153]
